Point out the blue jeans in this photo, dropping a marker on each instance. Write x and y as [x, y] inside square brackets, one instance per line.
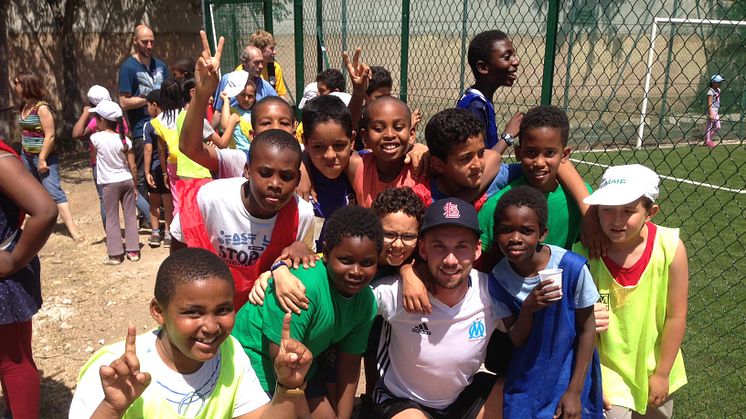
[51, 179]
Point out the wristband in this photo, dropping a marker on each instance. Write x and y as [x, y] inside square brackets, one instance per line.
[277, 265]
[297, 391]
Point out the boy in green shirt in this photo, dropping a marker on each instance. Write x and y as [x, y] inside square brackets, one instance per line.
[341, 309]
[542, 149]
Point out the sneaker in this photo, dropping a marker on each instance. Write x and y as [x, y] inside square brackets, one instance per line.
[113, 260]
[133, 256]
[710, 144]
[167, 242]
[154, 240]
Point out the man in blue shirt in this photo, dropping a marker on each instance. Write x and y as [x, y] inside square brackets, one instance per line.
[138, 75]
[253, 62]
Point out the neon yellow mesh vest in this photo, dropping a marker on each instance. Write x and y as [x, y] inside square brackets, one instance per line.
[169, 137]
[629, 350]
[221, 402]
[185, 167]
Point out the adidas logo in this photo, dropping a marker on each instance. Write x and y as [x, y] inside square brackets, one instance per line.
[421, 329]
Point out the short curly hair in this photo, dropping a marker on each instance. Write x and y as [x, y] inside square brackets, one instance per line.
[393, 200]
[379, 77]
[266, 101]
[523, 196]
[187, 266]
[365, 117]
[333, 79]
[450, 128]
[326, 108]
[481, 47]
[276, 138]
[352, 221]
[547, 116]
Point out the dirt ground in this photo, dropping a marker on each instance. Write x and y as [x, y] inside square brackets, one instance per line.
[86, 303]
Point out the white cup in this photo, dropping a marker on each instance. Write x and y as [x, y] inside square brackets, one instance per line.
[556, 276]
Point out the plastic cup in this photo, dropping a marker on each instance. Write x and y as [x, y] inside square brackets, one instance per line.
[556, 276]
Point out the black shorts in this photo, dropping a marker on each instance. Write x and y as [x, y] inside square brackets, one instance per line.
[499, 352]
[160, 184]
[467, 405]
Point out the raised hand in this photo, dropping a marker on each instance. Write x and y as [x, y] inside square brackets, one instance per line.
[359, 71]
[122, 381]
[293, 360]
[206, 69]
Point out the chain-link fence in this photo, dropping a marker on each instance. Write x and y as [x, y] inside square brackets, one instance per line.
[628, 99]
[605, 68]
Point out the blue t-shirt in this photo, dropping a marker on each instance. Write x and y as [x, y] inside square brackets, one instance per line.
[150, 137]
[586, 293]
[137, 80]
[481, 106]
[332, 194]
[263, 89]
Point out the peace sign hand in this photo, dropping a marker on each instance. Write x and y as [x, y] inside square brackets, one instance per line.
[122, 381]
[293, 360]
[359, 71]
[206, 69]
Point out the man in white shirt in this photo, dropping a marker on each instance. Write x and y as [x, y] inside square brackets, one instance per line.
[429, 363]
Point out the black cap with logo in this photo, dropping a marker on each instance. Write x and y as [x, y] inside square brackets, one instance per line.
[451, 211]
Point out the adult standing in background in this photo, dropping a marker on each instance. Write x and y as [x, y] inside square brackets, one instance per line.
[252, 61]
[272, 71]
[37, 141]
[138, 75]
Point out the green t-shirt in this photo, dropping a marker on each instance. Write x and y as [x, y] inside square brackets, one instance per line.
[563, 223]
[330, 319]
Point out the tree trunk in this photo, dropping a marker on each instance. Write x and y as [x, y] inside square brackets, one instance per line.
[70, 89]
[6, 98]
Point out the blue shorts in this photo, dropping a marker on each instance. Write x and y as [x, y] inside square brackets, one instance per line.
[51, 179]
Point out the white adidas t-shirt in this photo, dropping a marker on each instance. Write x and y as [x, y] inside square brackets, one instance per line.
[187, 394]
[431, 358]
[239, 237]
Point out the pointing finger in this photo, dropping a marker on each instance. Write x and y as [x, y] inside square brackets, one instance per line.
[129, 343]
[285, 328]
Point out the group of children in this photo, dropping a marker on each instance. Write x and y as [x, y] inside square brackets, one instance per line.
[255, 219]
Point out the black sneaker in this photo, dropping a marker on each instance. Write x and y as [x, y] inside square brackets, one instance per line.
[154, 240]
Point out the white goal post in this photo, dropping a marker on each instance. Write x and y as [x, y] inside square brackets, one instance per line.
[651, 54]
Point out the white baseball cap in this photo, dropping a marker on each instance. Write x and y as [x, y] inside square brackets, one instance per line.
[309, 92]
[236, 82]
[621, 185]
[717, 78]
[98, 93]
[108, 110]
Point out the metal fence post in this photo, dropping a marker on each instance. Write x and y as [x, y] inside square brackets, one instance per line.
[299, 67]
[667, 79]
[568, 63]
[549, 53]
[404, 50]
[268, 24]
[208, 23]
[464, 17]
[319, 35]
